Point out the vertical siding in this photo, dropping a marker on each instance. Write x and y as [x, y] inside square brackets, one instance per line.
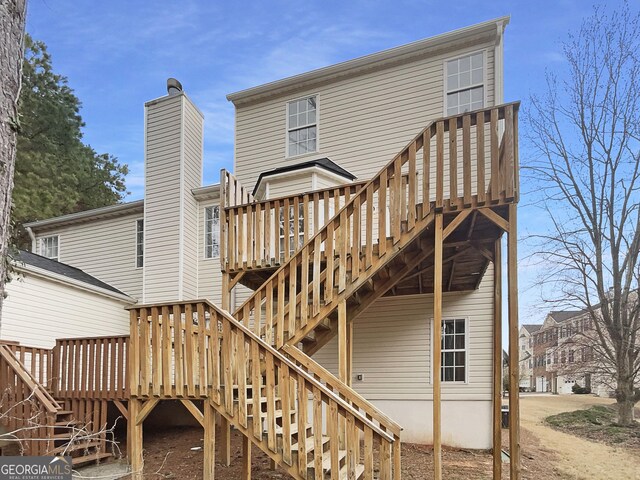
[363, 121]
[103, 248]
[392, 346]
[38, 310]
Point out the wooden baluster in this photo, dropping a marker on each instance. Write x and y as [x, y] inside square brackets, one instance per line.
[283, 385]
[227, 356]
[178, 346]
[316, 216]
[242, 238]
[495, 156]
[453, 162]
[233, 234]
[332, 433]
[167, 350]
[426, 173]
[259, 253]
[257, 313]
[156, 352]
[317, 267]
[353, 439]
[202, 350]
[277, 228]
[251, 236]
[280, 311]
[268, 333]
[413, 180]
[256, 390]
[326, 204]
[317, 433]
[145, 378]
[480, 146]
[343, 246]
[124, 370]
[100, 375]
[133, 355]
[509, 157]
[287, 229]
[295, 218]
[329, 253]
[190, 358]
[241, 366]
[439, 165]
[303, 404]
[271, 403]
[385, 460]
[356, 240]
[396, 215]
[293, 291]
[82, 380]
[368, 453]
[304, 292]
[268, 221]
[382, 214]
[368, 255]
[466, 159]
[397, 459]
[92, 362]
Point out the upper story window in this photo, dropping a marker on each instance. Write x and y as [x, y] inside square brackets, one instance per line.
[302, 126]
[212, 232]
[139, 243]
[465, 83]
[49, 247]
[454, 350]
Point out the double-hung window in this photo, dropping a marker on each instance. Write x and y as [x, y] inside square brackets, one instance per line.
[290, 226]
[139, 243]
[49, 247]
[302, 126]
[465, 84]
[212, 231]
[454, 350]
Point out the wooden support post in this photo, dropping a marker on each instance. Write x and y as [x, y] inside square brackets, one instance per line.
[246, 458]
[209, 447]
[497, 360]
[437, 348]
[134, 439]
[343, 363]
[224, 453]
[514, 374]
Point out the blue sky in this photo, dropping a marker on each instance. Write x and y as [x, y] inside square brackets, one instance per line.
[118, 54]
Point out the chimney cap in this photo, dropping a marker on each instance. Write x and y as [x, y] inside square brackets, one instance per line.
[174, 87]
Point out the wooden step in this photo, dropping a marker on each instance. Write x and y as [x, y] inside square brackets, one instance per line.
[82, 445]
[96, 457]
[310, 444]
[294, 429]
[66, 423]
[326, 460]
[64, 412]
[343, 475]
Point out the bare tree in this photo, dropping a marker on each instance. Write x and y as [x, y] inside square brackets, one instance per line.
[586, 132]
[12, 21]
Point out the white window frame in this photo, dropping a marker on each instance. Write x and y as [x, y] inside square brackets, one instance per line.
[136, 256]
[467, 350]
[281, 233]
[317, 124]
[445, 66]
[215, 233]
[41, 247]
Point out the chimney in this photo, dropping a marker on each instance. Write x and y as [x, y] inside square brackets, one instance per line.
[173, 167]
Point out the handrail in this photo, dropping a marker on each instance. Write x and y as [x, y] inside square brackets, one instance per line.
[403, 210]
[48, 402]
[357, 400]
[38, 360]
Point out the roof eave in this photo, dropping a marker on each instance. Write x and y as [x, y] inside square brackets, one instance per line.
[88, 215]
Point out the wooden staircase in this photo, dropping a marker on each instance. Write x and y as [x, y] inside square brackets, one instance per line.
[40, 422]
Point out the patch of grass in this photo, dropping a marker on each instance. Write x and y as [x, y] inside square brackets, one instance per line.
[597, 423]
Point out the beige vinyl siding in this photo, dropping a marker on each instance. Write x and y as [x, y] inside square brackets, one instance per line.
[290, 185]
[162, 200]
[363, 121]
[326, 180]
[38, 310]
[392, 346]
[103, 248]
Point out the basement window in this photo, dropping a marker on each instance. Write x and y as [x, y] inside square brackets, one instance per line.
[454, 350]
[464, 84]
[302, 126]
[212, 232]
[49, 247]
[139, 243]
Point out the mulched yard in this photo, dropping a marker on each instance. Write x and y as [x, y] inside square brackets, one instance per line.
[598, 424]
[168, 455]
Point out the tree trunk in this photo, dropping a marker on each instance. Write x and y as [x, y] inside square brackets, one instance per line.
[12, 21]
[626, 397]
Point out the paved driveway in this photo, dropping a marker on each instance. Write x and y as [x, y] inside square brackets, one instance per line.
[577, 458]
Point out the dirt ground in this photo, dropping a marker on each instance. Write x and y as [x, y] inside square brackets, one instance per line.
[546, 453]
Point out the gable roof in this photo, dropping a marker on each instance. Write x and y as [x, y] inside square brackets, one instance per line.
[324, 163]
[62, 269]
[561, 316]
[531, 327]
[484, 31]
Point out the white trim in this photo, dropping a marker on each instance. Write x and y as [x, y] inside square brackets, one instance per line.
[317, 125]
[485, 89]
[181, 216]
[58, 245]
[467, 349]
[144, 211]
[88, 215]
[56, 277]
[135, 243]
[204, 237]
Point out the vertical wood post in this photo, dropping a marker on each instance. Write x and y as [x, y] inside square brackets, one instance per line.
[497, 360]
[246, 458]
[224, 454]
[209, 441]
[343, 363]
[134, 439]
[437, 348]
[514, 397]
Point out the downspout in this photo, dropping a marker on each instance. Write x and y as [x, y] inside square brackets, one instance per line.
[32, 236]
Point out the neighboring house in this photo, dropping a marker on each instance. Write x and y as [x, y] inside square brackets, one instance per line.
[304, 146]
[527, 379]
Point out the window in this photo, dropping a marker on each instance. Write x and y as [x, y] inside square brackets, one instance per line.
[302, 134]
[49, 247]
[139, 243]
[465, 83]
[291, 227]
[454, 351]
[212, 232]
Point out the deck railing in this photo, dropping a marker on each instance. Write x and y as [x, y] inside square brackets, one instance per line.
[455, 163]
[38, 361]
[91, 368]
[196, 350]
[27, 410]
[384, 214]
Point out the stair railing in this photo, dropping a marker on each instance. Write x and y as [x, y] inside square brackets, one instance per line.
[26, 407]
[386, 213]
[196, 350]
